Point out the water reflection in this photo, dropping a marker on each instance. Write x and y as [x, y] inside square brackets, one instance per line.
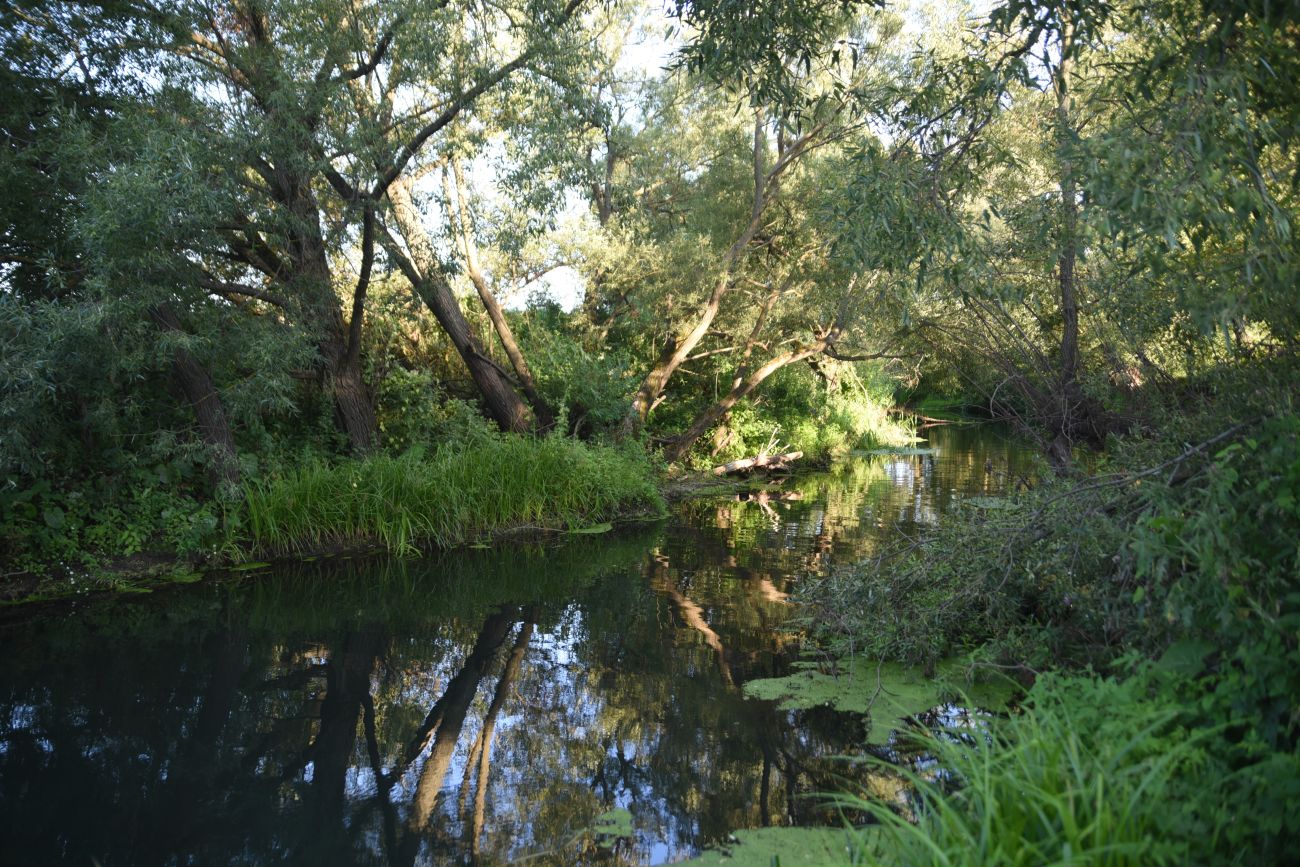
[477, 708]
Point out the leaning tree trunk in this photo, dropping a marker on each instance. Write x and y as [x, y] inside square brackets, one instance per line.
[679, 349]
[209, 412]
[766, 184]
[681, 444]
[545, 414]
[430, 283]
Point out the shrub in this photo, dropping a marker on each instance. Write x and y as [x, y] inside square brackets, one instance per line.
[805, 415]
[1185, 554]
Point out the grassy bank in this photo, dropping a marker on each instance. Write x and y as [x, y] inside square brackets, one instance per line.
[449, 497]
[797, 411]
[1152, 608]
[149, 530]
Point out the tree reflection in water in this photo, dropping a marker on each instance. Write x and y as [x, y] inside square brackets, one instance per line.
[474, 708]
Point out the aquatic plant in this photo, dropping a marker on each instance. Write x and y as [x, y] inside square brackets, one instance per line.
[1082, 776]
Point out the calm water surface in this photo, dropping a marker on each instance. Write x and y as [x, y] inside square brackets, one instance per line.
[482, 707]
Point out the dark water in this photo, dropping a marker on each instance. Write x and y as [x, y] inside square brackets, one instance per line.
[483, 707]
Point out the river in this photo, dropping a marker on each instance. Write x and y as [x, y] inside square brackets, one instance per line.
[570, 701]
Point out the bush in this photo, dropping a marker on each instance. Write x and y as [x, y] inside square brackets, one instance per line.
[806, 415]
[1025, 579]
[53, 533]
[591, 388]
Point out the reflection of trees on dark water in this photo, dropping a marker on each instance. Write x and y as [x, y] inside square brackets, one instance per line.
[469, 709]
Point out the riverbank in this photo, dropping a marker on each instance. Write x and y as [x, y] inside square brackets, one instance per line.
[66, 544]
[479, 493]
[450, 498]
[1151, 607]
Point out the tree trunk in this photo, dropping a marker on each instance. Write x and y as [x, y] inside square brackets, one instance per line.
[311, 278]
[289, 169]
[681, 444]
[1069, 396]
[680, 348]
[545, 414]
[209, 412]
[766, 184]
[430, 283]
[773, 461]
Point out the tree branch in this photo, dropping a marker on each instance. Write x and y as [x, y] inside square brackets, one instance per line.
[459, 104]
[225, 289]
[831, 352]
[363, 282]
[376, 56]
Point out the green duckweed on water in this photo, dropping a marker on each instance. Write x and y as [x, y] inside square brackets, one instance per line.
[883, 692]
[764, 847]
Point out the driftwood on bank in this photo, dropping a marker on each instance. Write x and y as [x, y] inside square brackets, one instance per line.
[768, 461]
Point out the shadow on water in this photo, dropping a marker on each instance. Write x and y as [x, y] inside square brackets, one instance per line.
[574, 702]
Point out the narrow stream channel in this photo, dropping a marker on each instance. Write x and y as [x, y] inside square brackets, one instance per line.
[479, 707]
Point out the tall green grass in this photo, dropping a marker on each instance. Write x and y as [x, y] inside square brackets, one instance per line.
[449, 497]
[1091, 773]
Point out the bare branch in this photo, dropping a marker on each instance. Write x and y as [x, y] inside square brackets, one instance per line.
[226, 289]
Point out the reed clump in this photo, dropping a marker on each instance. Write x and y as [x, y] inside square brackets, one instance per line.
[1092, 771]
[450, 496]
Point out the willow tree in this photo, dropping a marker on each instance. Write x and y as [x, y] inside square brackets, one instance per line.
[1195, 172]
[308, 115]
[1077, 189]
[974, 209]
[709, 241]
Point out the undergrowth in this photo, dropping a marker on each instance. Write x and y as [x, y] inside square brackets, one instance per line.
[1173, 568]
[797, 411]
[448, 497]
[1083, 776]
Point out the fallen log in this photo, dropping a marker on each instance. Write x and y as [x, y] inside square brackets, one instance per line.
[770, 461]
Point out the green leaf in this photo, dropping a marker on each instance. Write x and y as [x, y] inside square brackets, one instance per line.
[593, 530]
[54, 517]
[186, 577]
